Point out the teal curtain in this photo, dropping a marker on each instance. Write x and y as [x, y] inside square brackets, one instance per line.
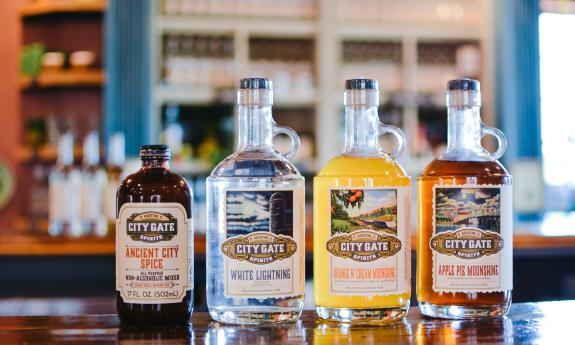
[128, 92]
[517, 76]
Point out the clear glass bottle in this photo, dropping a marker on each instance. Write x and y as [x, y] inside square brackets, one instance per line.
[92, 190]
[64, 188]
[114, 169]
[465, 235]
[154, 244]
[255, 251]
[362, 220]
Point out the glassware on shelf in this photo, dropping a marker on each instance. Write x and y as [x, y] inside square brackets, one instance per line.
[116, 159]
[198, 60]
[92, 188]
[173, 134]
[255, 241]
[465, 230]
[65, 185]
[362, 216]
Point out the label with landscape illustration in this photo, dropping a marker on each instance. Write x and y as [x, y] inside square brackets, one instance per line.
[369, 241]
[263, 248]
[472, 238]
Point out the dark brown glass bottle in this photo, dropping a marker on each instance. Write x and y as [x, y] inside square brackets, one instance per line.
[154, 244]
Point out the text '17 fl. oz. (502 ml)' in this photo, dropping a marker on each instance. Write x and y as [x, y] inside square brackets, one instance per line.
[465, 235]
[154, 244]
[255, 221]
[361, 220]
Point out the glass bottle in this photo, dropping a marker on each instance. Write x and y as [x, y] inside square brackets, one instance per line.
[464, 259]
[114, 169]
[92, 189]
[362, 220]
[64, 185]
[255, 252]
[154, 244]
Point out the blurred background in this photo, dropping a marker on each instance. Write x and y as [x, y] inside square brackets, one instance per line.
[85, 82]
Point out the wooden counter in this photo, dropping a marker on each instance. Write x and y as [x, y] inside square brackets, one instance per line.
[527, 323]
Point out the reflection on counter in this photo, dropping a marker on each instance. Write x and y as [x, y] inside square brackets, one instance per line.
[526, 323]
[339, 334]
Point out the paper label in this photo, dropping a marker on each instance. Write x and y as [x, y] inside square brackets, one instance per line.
[369, 244]
[472, 241]
[154, 253]
[264, 247]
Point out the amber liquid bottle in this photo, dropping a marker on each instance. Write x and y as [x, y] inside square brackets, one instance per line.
[154, 244]
[464, 258]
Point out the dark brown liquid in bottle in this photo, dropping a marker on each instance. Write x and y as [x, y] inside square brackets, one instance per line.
[154, 183]
[451, 173]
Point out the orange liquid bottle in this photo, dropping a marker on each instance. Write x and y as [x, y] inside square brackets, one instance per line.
[464, 259]
[361, 221]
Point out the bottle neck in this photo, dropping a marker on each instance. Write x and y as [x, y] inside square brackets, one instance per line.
[155, 163]
[255, 128]
[66, 150]
[91, 150]
[117, 150]
[463, 132]
[361, 130]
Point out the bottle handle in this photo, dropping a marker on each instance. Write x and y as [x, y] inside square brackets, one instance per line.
[501, 141]
[292, 135]
[399, 135]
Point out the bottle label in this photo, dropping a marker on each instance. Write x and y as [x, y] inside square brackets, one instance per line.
[263, 249]
[154, 253]
[472, 241]
[369, 244]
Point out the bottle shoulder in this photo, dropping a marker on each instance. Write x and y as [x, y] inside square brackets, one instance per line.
[160, 181]
[362, 166]
[440, 167]
[255, 164]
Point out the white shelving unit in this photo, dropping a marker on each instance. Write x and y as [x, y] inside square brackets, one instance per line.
[336, 21]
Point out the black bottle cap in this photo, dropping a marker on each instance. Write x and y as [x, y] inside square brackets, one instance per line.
[361, 84]
[463, 84]
[155, 151]
[256, 83]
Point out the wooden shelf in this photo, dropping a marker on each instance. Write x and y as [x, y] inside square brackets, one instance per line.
[64, 78]
[189, 95]
[45, 153]
[45, 7]
[260, 27]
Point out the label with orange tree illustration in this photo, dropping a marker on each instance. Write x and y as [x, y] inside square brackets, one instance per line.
[472, 238]
[369, 241]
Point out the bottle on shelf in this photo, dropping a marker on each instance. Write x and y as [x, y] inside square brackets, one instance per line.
[465, 239]
[92, 190]
[362, 220]
[64, 190]
[154, 244]
[255, 221]
[173, 134]
[114, 169]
